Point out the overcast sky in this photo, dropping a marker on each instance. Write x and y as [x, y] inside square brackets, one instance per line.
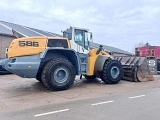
[118, 23]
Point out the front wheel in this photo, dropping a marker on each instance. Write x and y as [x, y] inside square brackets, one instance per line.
[58, 74]
[112, 72]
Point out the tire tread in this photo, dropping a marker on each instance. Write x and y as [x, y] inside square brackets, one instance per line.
[47, 67]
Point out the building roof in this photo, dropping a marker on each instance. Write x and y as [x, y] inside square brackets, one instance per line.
[6, 28]
[109, 48]
[23, 30]
[5, 31]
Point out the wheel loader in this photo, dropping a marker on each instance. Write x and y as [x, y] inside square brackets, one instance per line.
[55, 61]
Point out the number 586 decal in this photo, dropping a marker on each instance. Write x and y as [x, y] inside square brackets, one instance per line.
[28, 43]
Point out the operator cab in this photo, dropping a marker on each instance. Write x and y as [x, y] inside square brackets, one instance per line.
[79, 38]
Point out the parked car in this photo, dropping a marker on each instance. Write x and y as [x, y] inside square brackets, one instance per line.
[2, 70]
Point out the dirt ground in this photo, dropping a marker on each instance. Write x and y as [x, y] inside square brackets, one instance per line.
[21, 93]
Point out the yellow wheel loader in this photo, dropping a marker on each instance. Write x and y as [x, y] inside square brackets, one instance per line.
[55, 61]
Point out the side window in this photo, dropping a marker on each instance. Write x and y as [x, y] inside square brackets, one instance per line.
[81, 38]
[86, 42]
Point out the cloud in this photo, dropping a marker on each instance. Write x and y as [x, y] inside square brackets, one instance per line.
[117, 23]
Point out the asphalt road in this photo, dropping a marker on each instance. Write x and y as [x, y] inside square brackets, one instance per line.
[140, 105]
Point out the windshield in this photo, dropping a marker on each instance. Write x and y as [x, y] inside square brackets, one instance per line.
[81, 38]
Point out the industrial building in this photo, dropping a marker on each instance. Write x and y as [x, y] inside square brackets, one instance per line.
[7, 35]
[152, 53]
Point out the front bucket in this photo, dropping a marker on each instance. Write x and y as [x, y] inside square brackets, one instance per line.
[135, 69]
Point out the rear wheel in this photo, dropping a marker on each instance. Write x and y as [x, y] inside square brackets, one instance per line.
[58, 74]
[112, 72]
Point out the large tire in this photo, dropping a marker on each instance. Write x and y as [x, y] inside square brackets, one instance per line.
[112, 72]
[58, 74]
[55, 55]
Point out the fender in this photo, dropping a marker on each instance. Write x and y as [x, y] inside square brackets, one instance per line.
[100, 62]
[70, 54]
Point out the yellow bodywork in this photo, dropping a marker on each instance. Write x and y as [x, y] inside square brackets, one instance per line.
[92, 60]
[16, 50]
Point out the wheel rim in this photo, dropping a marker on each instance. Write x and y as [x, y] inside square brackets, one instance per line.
[60, 75]
[115, 72]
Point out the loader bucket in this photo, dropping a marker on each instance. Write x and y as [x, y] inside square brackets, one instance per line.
[135, 69]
